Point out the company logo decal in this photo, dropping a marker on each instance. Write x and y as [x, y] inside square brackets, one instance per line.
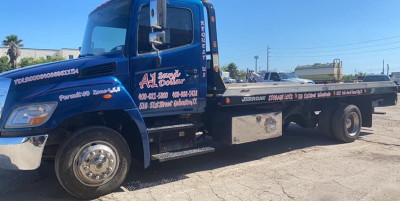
[165, 99]
[162, 80]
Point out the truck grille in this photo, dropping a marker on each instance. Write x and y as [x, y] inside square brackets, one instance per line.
[4, 87]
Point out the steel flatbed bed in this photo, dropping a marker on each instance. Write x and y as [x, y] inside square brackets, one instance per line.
[258, 93]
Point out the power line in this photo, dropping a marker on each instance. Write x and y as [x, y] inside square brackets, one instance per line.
[357, 48]
[348, 44]
[250, 54]
[333, 55]
[377, 56]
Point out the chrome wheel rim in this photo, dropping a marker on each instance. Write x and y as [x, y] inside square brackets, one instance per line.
[352, 122]
[96, 163]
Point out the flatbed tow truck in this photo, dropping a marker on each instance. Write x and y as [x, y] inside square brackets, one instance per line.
[148, 86]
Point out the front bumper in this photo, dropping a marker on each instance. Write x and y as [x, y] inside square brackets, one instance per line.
[22, 153]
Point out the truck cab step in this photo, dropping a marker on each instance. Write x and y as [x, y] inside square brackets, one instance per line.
[182, 154]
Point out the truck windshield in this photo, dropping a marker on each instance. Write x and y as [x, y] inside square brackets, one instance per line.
[106, 29]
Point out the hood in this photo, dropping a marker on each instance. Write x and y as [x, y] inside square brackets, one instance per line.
[300, 80]
[305, 80]
[61, 71]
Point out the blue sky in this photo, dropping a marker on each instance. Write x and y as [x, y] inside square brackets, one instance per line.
[360, 32]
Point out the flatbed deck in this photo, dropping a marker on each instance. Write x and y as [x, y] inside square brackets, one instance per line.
[255, 93]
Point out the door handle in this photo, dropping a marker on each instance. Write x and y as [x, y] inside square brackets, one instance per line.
[191, 72]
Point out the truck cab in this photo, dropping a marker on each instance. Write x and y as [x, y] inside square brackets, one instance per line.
[140, 85]
[174, 68]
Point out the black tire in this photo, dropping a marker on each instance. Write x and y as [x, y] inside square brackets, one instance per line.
[66, 165]
[325, 122]
[347, 122]
[285, 127]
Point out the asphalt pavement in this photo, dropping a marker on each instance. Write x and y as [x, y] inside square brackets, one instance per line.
[301, 165]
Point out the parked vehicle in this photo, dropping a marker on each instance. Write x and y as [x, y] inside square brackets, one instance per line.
[273, 77]
[278, 78]
[376, 78]
[229, 80]
[395, 77]
[293, 77]
[321, 73]
[150, 94]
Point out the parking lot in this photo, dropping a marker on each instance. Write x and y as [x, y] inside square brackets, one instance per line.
[301, 165]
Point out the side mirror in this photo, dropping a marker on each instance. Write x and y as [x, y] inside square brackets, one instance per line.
[158, 23]
[158, 14]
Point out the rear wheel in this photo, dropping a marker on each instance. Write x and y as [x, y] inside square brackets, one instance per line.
[347, 122]
[285, 126]
[93, 162]
[325, 122]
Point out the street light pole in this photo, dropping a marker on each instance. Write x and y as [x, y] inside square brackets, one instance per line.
[256, 58]
[268, 58]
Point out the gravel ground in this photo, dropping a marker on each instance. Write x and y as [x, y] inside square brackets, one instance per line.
[298, 166]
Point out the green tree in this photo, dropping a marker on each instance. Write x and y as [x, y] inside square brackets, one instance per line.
[232, 69]
[348, 78]
[4, 64]
[242, 75]
[29, 61]
[13, 43]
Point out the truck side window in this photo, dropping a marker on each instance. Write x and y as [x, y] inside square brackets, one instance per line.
[179, 28]
[274, 76]
[266, 76]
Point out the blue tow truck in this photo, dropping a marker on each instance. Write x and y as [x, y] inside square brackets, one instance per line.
[147, 86]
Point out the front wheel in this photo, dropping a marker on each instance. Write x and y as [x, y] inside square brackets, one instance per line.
[347, 123]
[93, 162]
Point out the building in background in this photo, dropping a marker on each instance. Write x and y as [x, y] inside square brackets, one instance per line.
[66, 53]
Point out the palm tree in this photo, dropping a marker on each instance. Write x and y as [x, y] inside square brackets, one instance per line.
[13, 43]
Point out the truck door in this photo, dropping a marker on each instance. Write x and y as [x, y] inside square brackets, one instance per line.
[173, 87]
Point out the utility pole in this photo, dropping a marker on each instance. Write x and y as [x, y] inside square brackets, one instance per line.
[268, 58]
[256, 58]
[383, 69]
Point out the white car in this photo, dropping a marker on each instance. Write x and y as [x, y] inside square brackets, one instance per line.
[229, 80]
[293, 77]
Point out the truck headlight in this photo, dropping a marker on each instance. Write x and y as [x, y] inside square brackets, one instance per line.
[31, 115]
